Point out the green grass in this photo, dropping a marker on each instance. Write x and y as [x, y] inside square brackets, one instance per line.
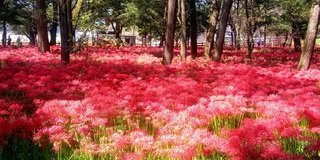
[229, 122]
[25, 149]
[301, 146]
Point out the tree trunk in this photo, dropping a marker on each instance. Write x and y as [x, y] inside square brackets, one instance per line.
[76, 11]
[290, 43]
[237, 38]
[177, 40]
[117, 29]
[296, 37]
[43, 41]
[285, 40]
[232, 40]
[162, 39]
[163, 33]
[54, 27]
[249, 27]
[32, 37]
[93, 38]
[237, 28]
[193, 29]
[250, 43]
[297, 44]
[183, 36]
[144, 40]
[171, 23]
[311, 36]
[211, 31]
[227, 4]
[70, 28]
[4, 34]
[64, 32]
[232, 25]
[265, 36]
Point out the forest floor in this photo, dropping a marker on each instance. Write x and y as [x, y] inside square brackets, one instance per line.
[124, 104]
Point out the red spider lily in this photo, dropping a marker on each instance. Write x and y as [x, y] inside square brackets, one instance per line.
[125, 103]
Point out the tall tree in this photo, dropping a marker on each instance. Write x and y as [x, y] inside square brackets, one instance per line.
[115, 9]
[4, 34]
[234, 35]
[70, 25]
[54, 24]
[293, 13]
[296, 36]
[64, 32]
[183, 36]
[249, 16]
[171, 23]
[43, 41]
[310, 39]
[227, 4]
[266, 13]
[235, 24]
[193, 29]
[250, 27]
[163, 35]
[211, 30]
[76, 13]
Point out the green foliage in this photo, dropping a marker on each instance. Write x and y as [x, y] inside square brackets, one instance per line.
[131, 15]
[229, 122]
[292, 14]
[87, 157]
[92, 12]
[297, 145]
[146, 15]
[121, 124]
[145, 124]
[203, 12]
[21, 17]
[25, 149]
[11, 10]
[216, 155]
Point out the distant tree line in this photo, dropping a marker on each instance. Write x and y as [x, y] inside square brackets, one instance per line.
[169, 20]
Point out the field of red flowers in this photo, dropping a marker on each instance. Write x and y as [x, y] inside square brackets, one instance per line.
[124, 104]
